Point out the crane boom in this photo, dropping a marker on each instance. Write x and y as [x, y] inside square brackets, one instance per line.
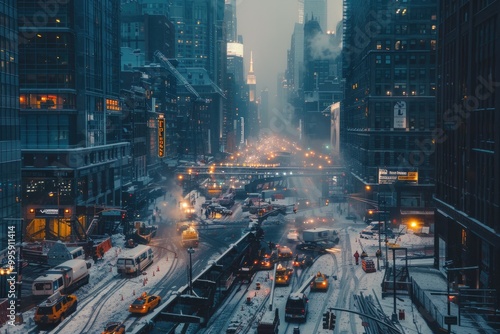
[174, 71]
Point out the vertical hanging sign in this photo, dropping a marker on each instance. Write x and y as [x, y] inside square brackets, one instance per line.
[161, 136]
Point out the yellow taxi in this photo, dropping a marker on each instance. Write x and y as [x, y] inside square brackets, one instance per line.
[114, 328]
[144, 304]
[55, 309]
[283, 275]
[320, 282]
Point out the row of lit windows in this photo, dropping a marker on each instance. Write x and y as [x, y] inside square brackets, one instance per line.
[113, 105]
[47, 101]
[400, 73]
[402, 89]
[403, 45]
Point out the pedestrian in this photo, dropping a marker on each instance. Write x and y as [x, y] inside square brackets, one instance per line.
[356, 257]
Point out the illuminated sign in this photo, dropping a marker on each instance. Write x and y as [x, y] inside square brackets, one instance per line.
[161, 137]
[387, 176]
[49, 212]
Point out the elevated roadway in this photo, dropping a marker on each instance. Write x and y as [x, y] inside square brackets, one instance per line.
[262, 176]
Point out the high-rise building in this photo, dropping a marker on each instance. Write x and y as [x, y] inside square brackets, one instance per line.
[389, 105]
[235, 88]
[467, 143]
[146, 33]
[201, 50]
[314, 10]
[10, 144]
[199, 28]
[70, 114]
[231, 21]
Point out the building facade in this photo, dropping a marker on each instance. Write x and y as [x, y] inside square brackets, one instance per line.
[70, 114]
[388, 117]
[10, 144]
[468, 142]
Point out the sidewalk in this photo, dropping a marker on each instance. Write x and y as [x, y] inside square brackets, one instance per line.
[429, 300]
[430, 297]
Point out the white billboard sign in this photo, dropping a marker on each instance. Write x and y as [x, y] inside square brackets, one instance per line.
[400, 115]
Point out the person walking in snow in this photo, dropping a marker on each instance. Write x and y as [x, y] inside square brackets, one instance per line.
[356, 256]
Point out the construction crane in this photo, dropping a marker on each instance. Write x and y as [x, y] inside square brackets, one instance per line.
[176, 73]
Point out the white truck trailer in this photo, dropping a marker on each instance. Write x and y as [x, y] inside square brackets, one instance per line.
[66, 278]
[319, 234]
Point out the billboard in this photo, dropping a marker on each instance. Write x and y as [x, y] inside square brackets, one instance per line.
[235, 49]
[390, 176]
[400, 115]
[335, 128]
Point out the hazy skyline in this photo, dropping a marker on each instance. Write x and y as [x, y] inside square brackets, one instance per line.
[267, 27]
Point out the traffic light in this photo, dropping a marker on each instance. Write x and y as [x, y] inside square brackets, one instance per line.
[333, 317]
[326, 320]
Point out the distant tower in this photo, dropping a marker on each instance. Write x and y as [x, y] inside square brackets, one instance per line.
[252, 123]
[251, 81]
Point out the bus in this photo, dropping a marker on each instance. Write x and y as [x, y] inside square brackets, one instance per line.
[135, 260]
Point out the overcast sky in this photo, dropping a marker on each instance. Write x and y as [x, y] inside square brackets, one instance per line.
[267, 27]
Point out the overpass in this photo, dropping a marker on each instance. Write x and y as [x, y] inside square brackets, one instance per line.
[262, 176]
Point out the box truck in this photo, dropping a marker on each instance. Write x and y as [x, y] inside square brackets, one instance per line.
[64, 278]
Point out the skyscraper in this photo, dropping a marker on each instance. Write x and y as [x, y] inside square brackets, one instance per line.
[468, 143]
[389, 104]
[69, 93]
[314, 9]
[10, 145]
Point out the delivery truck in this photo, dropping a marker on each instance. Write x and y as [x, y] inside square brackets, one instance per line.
[64, 278]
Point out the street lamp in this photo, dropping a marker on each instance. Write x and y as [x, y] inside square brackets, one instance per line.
[380, 232]
[190, 252]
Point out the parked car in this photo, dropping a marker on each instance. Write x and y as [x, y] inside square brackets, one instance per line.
[206, 204]
[227, 212]
[114, 328]
[144, 304]
[320, 282]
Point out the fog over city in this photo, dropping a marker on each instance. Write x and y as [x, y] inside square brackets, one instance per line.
[267, 27]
